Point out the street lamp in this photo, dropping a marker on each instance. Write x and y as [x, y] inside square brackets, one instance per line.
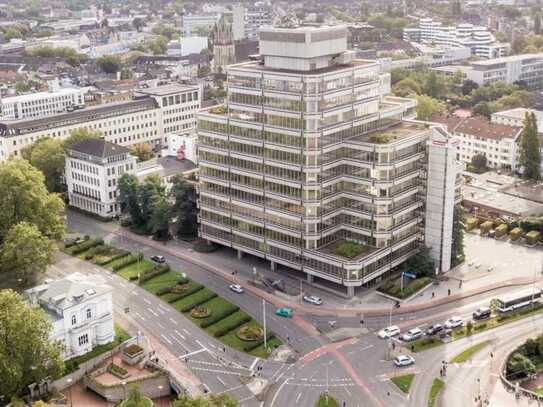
[69, 381]
[124, 389]
[160, 387]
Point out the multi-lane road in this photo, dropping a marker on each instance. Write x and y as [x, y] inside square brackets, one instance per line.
[355, 371]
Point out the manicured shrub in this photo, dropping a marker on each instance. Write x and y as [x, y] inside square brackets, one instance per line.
[515, 233]
[253, 345]
[188, 292]
[218, 316]
[501, 230]
[235, 323]
[472, 223]
[122, 254]
[86, 245]
[162, 291]
[127, 261]
[156, 271]
[198, 301]
[486, 227]
[532, 237]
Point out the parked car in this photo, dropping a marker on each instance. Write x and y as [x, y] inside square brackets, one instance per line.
[158, 259]
[411, 335]
[236, 288]
[482, 313]
[388, 332]
[312, 299]
[285, 312]
[434, 329]
[404, 360]
[453, 322]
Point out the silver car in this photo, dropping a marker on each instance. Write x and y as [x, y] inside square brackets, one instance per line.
[312, 299]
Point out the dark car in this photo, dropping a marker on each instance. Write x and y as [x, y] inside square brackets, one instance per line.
[434, 329]
[158, 259]
[482, 313]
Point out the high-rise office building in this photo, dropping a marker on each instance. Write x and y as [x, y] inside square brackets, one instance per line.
[312, 166]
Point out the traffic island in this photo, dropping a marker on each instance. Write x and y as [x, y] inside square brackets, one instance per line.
[436, 388]
[403, 382]
[325, 400]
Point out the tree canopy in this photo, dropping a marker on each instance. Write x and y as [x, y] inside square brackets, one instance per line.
[26, 353]
[530, 155]
[213, 400]
[47, 155]
[110, 63]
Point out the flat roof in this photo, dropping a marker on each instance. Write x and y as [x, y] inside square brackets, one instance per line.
[397, 131]
[519, 113]
[165, 90]
[38, 95]
[256, 66]
[510, 58]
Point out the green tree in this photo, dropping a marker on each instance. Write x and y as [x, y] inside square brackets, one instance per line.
[151, 188]
[530, 156]
[82, 134]
[407, 87]
[158, 46]
[420, 264]
[433, 86]
[482, 109]
[38, 253]
[428, 106]
[135, 399]
[48, 156]
[25, 198]
[457, 246]
[128, 192]
[26, 353]
[138, 23]
[110, 64]
[23, 86]
[519, 366]
[468, 86]
[143, 151]
[184, 209]
[479, 162]
[14, 32]
[160, 218]
[214, 400]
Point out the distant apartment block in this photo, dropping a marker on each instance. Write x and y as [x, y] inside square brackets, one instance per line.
[256, 16]
[150, 117]
[310, 154]
[40, 104]
[478, 39]
[478, 136]
[431, 57]
[515, 117]
[191, 22]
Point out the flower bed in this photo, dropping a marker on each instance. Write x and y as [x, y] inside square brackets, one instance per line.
[133, 354]
[250, 333]
[118, 371]
[200, 312]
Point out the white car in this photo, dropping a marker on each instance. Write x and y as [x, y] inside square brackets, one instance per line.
[236, 288]
[411, 335]
[388, 332]
[312, 299]
[404, 360]
[453, 322]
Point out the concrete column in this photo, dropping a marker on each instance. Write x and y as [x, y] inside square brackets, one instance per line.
[350, 291]
[273, 266]
[310, 278]
[240, 254]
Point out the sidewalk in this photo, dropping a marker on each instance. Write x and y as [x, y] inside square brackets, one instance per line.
[183, 251]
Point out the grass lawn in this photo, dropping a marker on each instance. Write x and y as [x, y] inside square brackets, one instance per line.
[168, 296]
[437, 385]
[403, 382]
[215, 305]
[169, 279]
[133, 269]
[219, 325]
[326, 401]
[394, 289]
[469, 352]
[260, 352]
[425, 343]
[146, 402]
[178, 305]
[120, 336]
[540, 391]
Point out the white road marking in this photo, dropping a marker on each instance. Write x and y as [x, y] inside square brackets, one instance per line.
[298, 397]
[221, 381]
[175, 338]
[160, 325]
[201, 344]
[173, 321]
[216, 371]
[347, 391]
[187, 332]
[277, 392]
[147, 301]
[254, 363]
[166, 339]
[152, 312]
[195, 352]
[139, 316]
[179, 333]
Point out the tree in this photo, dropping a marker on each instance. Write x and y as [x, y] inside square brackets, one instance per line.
[128, 192]
[48, 156]
[427, 107]
[110, 64]
[537, 23]
[519, 366]
[138, 23]
[158, 46]
[457, 246]
[407, 87]
[38, 252]
[479, 162]
[26, 353]
[433, 86]
[530, 156]
[203, 70]
[518, 44]
[143, 151]
[184, 209]
[420, 264]
[24, 198]
[468, 86]
[14, 32]
[150, 188]
[82, 134]
[135, 398]
[159, 223]
[482, 109]
[214, 400]
[23, 86]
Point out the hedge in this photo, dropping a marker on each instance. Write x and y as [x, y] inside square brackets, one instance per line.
[532, 237]
[156, 271]
[253, 345]
[123, 253]
[204, 298]
[515, 233]
[96, 250]
[133, 258]
[501, 230]
[86, 245]
[235, 323]
[213, 319]
[190, 291]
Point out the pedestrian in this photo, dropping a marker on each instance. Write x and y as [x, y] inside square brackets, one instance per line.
[433, 294]
[412, 348]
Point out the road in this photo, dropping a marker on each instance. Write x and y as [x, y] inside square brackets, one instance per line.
[355, 371]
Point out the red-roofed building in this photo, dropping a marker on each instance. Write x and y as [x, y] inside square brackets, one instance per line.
[477, 135]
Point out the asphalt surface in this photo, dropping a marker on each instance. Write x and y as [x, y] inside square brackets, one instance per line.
[356, 372]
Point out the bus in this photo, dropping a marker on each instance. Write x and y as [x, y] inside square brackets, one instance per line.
[521, 299]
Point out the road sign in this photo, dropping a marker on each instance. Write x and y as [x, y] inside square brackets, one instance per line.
[409, 275]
